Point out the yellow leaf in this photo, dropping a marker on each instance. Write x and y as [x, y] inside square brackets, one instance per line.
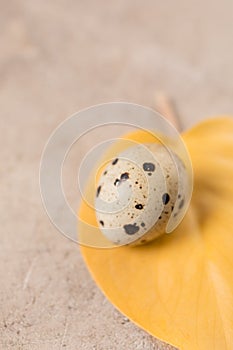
[179, 288]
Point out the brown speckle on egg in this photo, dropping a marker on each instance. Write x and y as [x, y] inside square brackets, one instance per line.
[114, 161]
[131, 229]
[181, 204]
[148, 167]
[116, 182]
[165, 198]
[124, 176]
[139, 206]
[98, 191]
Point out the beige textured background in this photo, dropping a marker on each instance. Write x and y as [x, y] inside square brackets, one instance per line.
[57, 57]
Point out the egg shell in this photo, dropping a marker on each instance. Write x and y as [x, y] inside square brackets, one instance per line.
[136, 194]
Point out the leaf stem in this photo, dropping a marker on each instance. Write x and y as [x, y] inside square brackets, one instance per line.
[166, 107]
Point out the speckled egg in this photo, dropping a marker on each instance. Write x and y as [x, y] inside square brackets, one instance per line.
[137, 194]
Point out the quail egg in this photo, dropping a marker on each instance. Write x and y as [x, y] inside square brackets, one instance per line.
[139, 192]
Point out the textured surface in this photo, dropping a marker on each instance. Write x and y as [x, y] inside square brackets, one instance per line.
[55, 58]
